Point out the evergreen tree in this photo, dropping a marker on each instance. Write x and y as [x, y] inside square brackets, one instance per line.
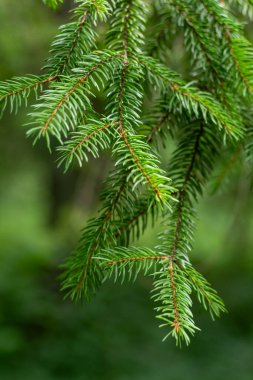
[132, 69]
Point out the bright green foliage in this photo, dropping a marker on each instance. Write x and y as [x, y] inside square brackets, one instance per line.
[16, 91]
[145, 103]
[76, 38]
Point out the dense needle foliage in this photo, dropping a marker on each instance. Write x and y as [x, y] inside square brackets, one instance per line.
[206, 117]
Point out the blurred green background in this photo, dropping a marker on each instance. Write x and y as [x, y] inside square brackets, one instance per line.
[115, 337]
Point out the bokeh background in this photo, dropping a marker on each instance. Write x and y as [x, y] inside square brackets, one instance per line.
[115, 337]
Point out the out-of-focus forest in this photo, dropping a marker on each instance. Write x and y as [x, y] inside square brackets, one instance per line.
[115, 337]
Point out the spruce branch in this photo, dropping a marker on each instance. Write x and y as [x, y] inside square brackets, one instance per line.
[199, 42]
[61, 106]
[82, 275]
[89, 138]
[195, 102]
[76, 38]
[145, 103]
[17, 90]
[123, 263]
[240, 50]
[205, 293]
[172, 290]
[136, 156]
[127, 26]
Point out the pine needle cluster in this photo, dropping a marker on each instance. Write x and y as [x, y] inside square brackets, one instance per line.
[201, 117]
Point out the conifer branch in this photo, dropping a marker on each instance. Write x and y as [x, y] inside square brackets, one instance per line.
[17, 90]
[61, 106]
[195, 102]
[121, 263]
[124, 73]
[240, 49]
[82, 276]
[88, 138]
[172, 290]
[175, 238]
[206, 294]
[197, 37]
[76, 38]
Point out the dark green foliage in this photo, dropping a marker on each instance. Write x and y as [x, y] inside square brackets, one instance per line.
[205, 118]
